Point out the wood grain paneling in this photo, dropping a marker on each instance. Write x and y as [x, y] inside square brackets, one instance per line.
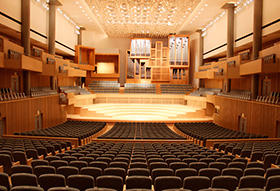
[241, 84]
[213, 83]
[5, 78]
[261, 117]
[20, 114]
[66, 81]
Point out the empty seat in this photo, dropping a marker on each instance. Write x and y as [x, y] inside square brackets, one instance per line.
[198, 165]
[44, 169]
[22, 169]
[161, 172]
[115, 171]
[110, 181]
[227, 182]
[254, 171]
[138, 182]
[4, 180]
[272, 182]
[218, 165]
[81, 182]
[196, 183]
[67, 171]
[252, 182]
[209, 172]
[177, 165]
[138, 172]
[78, 164]
[38, 162]
[58, 163]
[240, 165]
[272, 172]
[167, 182]
[91, 171]
[47, 181]
[24, 179]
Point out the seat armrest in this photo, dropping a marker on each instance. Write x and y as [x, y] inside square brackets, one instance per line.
[28, 162]
[16, 163]
[1, 168]
[41, 157]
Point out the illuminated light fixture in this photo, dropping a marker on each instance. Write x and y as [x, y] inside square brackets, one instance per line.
[131, 18]
[77, 2]
[81, 7]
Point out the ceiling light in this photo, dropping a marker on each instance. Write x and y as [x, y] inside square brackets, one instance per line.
[83, 11]
[77, 2]
[206, 5]
[81, 7]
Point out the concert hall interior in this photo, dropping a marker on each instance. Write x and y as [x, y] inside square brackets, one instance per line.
[148, 95]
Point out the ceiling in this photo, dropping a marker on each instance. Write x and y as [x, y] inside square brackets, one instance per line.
[142, 18]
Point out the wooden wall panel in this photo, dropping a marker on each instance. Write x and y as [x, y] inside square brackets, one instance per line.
[275, 82]
[261, 118]
[66, 81]
[241, 84]
[37, 80]
[210, 83]
[20, 114]
[5, 78]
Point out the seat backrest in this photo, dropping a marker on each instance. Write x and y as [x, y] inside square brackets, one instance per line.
[161, 172]
[138, 182]
[167, 182]
[209, 172]
[38, 162]
[47, 181]
[67, 171]
[273, 182]
[4, 179]
[110, 181]
[115, 171]
[24, 179]
[251, 181]
[196, 183]
[81, 182]
[254, 171]
[138, 172]
[22, 169]
[227, 182]
[27, 188]
[44, 169]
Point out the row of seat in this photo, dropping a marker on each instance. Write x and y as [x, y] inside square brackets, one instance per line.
[183, 174]
[140, 88]
[71, 129]
[237, 94]
[205, 91]
[77, 90]
[208, 130]
[253, 150]
[104, 86]
[42, 91]
[273, 98]
[175, 88]
[140, 131]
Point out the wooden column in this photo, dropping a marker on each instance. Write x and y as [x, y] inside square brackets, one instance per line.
[230, 38]
[52, 22]
[25, 40]
[257, 42]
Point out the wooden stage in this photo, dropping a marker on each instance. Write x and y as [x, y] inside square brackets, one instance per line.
[169, 113]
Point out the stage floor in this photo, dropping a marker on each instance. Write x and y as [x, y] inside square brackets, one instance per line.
[169, 113]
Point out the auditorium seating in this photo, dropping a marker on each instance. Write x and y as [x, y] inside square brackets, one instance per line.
[205, 91]
[187, 176]
[237, 94]
[104, 86]
[6, 94]
[71, 129]
[42, 91]
[77, 90]
[140, 88]
[140, 131]
[175, 88]
[207, 130]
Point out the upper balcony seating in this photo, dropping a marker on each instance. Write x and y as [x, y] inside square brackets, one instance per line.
[77, 90]
[6, 94]
[42, 91]
[205, 91]
[237, 94]
[104, 86]
[140, 88]
[175, 88]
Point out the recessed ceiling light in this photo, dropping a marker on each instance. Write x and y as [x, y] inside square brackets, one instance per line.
[77, 2]
[83, 11]
[81, 7]
[206, 5]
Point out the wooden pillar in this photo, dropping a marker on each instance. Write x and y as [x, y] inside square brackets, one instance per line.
[52, 22]
[230, 38]
[25, 40]
[257, 42]
[197, 82]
